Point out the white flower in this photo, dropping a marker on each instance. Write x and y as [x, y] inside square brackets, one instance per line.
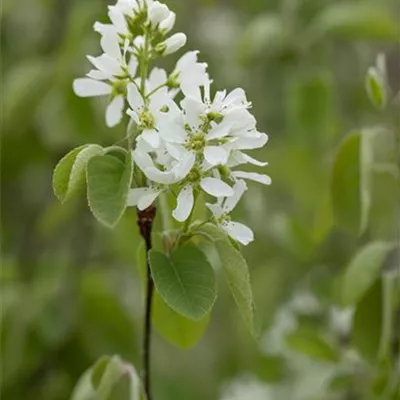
[174, 172]
[172, 44]
[168, 23]
[223, 208]
[185, 201]
[108, 78]
[189, 73]
[148, 116]
[144, 197]
[157, 12]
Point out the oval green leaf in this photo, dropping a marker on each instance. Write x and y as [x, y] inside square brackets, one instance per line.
[363, 270]
[236, 272]
[175, 328]
[185, 280]
[368, 322]
[376, 89]
[108, 180]
[346, 185]
[69, 174]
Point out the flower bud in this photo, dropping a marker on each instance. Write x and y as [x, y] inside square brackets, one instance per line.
[168, 23]
[172, 44]
[157, 12]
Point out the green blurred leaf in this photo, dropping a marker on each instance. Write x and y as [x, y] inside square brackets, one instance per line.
[312, 344]
[264, 36]
[69, 174]
[112, 374]
[376, 88]
[109, 379]
[236, 272]
[84, 389]
[98, 370]
[367, 322]
[185, 280]
[25, 85]
[357, 20]
[311, 106]
[175, 328]
[346, 184]
[363, 270]
[108, 181]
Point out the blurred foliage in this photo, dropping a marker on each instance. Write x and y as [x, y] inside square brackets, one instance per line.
[70, 289]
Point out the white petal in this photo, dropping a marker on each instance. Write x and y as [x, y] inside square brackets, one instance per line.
[187, 61]
[134, 195]
[168, 23]
[230, 203]
[184, 204]
[175, 150]
[216, 155]
[265, 179]
[193, 110]
[98, 75]
[155, 175]
[216, 187]
[185, 166]
[147, 199]
[157, 77]
[132, 66]
[118, 19]
[172, 132]
[157, 12]
[216, 209]
[238, 158]
[219, 131]
[174, 43]
[85, 87]
[134, 97]
[190, 89]
[114, 111]
[239, 232]
[107, 64]
[249, 143]
[109, 44]
[236, 97]
[142, 160]
[152, 137]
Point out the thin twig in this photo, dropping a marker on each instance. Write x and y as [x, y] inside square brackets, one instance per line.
[145, 222]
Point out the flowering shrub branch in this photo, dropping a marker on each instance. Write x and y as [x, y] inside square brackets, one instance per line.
[183, 141]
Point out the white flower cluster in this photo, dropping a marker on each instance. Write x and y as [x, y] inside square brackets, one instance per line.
[184, 146]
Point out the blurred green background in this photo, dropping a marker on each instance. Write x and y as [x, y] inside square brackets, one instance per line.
[70, 287]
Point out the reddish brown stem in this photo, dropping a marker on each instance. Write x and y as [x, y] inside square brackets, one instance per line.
[145, 222]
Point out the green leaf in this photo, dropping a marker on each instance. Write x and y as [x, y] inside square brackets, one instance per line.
[98, 371]
[363, 270]
[69, 174]
[84, 389]
[236, 272]
[108, 181]
[185, 280]
[175, 328]
[357, 20]
[311, 106]
[112, 374]
[367, 322]
[346, 185]
[312, 344]
[376, 88]
[264, 36]
[109, 379]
